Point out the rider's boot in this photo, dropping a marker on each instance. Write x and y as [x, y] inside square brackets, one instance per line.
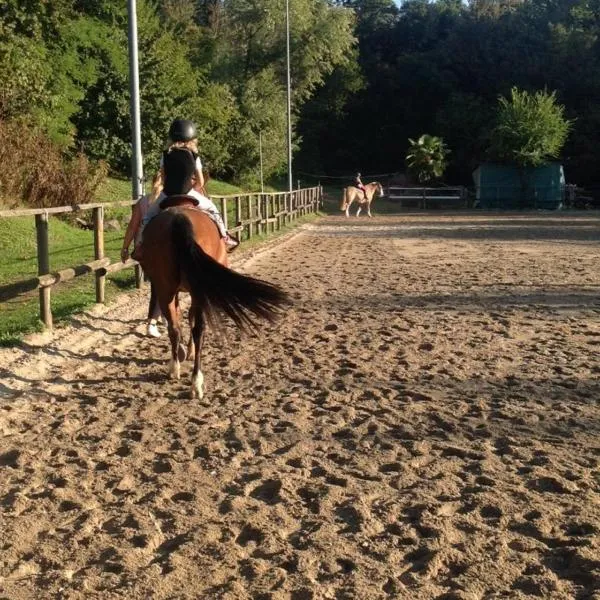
[230, 242]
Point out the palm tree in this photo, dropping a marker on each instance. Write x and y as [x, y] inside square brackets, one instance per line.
[426, 157]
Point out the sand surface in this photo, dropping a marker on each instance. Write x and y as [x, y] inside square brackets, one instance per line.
[423, 423]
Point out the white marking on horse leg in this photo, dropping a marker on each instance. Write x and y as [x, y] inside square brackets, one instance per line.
[358, 211]
[175, 369]
[198, 386]
[369, 211]
[348, 212]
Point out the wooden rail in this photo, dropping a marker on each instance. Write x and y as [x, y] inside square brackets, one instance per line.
[427, 195]
[254, 214]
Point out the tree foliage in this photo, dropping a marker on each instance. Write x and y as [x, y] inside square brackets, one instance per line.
[426, 158]
[531, 128]
[366, 75]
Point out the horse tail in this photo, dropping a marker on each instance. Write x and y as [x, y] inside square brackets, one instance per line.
[344, 202]
[215, 287]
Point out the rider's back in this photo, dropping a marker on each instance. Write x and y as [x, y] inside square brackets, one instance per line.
[179, 165]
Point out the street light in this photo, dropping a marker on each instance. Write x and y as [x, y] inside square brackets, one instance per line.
[289, 93]
[137, 175]
[262, 186]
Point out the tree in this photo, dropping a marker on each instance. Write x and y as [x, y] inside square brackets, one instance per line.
[531, 129]
[249, 54]
[426, 157]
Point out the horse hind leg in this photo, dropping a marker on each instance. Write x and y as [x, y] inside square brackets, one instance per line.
[177, 349]
[197, 335]
[191, 350]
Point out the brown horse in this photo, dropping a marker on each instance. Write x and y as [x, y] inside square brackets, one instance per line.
[352, 193]
[183, 251]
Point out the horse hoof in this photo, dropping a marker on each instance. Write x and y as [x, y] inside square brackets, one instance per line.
[198, 386]
[181, 353]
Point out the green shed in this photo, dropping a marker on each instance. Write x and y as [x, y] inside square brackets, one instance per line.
[500, 186]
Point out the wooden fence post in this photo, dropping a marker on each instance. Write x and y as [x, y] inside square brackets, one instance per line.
[224, 212]
[238, 217]
[98, 213]
[260, 226]
[43, 256]
[250, 216]
[139, 276]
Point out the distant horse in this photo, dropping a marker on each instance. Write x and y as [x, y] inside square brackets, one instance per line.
[352, 193]
[183, 251]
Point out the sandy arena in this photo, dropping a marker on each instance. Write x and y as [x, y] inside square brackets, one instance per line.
[423, 423]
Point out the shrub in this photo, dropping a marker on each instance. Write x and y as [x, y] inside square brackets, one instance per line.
[35, 172]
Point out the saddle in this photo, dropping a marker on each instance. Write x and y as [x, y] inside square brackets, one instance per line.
[179, 200]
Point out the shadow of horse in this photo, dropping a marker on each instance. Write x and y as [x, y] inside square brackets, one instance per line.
[183, 251]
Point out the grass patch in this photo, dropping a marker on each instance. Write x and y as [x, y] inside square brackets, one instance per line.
[69, 246]
[20, 316]
[113, 189]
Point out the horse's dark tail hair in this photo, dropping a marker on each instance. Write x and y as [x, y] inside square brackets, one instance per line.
[216, 288]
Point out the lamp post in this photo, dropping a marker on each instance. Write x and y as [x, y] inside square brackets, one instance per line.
[289, 94]
[137, 175]
[262, 187]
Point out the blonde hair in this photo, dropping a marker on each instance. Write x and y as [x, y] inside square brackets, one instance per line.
[189, 145]
[157, 186]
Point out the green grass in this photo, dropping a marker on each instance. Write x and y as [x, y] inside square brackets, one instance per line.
[71, 246]
[113, 190]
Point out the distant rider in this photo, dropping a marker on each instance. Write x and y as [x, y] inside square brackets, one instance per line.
[359, 184]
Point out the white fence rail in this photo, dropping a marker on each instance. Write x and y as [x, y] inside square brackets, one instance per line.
[428, 197]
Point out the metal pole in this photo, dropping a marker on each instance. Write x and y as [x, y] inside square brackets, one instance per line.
[137, 174]
[289, 94]
[262, 187]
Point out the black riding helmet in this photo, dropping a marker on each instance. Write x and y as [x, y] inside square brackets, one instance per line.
[182, 130]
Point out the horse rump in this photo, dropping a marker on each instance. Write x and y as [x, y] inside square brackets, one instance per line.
[215, 287]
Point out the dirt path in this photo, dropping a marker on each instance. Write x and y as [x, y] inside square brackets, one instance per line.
[423, 424]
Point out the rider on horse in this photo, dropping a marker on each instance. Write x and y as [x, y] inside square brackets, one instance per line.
[181, 174]
[359, 184]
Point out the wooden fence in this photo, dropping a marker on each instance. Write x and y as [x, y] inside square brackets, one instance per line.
[255, 214]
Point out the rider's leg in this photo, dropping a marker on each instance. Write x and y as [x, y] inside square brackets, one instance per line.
[208, 206]
[153, 210]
